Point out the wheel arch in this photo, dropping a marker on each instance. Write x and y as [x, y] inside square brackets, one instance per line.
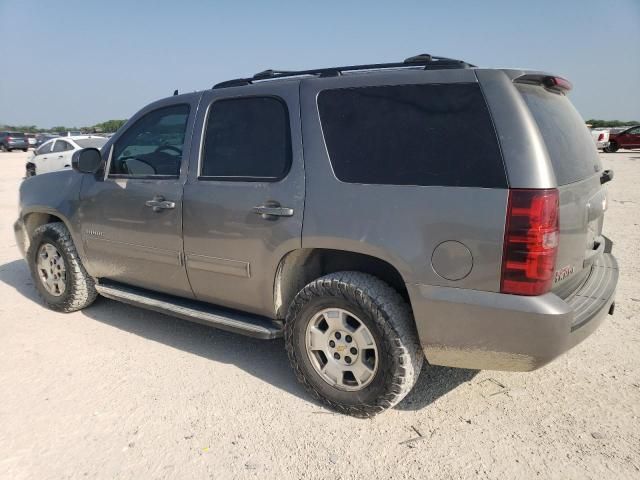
[299, 267]
[35, 217]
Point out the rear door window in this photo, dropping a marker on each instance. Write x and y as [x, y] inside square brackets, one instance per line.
[432, 134]
[247, 139]
[568, 140]
[62, 146]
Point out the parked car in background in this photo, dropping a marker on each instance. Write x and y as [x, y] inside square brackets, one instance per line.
[31, 139]
[629, 138]
[43, 137]
[55, 154]
[13, 141]
[600, 138]
[379, 241]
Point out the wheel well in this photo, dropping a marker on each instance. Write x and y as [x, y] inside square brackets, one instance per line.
[300, 267]
[36, 219]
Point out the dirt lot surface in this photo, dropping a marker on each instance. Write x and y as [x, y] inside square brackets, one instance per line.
[118, 392]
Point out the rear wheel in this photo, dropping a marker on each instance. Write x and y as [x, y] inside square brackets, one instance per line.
[352, 342]
[612, 147]
[57, 271]
[25, 149]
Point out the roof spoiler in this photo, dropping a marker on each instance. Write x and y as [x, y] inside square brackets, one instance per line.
[552, 82]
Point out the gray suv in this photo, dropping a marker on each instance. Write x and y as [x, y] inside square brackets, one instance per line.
[372, 215]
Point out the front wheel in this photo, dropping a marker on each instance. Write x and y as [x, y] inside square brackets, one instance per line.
[57, 271]
[352, 342]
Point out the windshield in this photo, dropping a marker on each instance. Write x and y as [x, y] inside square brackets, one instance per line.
[97, 142]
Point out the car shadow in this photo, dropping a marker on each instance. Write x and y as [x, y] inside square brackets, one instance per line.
[266, 360]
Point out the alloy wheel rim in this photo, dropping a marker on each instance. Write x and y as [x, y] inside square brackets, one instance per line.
[52, 270]
[341, 349]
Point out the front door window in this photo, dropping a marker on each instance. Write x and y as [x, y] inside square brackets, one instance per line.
[152, 147]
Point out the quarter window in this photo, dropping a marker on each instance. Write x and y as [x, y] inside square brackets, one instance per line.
[247, 139]
[431, 134]
[153, 145]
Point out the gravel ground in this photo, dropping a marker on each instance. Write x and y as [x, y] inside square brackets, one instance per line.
[119, 392]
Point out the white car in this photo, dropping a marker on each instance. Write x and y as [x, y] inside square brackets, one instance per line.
[600, 138]
[55, 154]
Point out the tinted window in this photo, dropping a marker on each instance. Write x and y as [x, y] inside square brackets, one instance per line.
[61, 146]
[91, 142]
[153, 145]
[16, 134]
[565, 134]
[411, 135]
[634, 131]
[247, 139]
[44, 148]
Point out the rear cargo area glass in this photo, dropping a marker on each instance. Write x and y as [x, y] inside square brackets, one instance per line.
[569, 143]
[433, 134]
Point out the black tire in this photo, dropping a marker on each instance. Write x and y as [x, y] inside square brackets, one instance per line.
[390, 321]
[80, 289]
[612, 147]
[25, 149]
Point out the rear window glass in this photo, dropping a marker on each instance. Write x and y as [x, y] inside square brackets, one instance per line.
[568, 140]
[91, 142]
[16, 135]
[432, 134]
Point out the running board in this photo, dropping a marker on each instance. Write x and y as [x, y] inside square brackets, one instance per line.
[193, 310]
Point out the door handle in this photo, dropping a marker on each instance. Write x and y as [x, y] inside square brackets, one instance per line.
[159, 203]
[270, 211]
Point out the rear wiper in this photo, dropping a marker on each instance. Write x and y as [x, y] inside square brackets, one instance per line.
[606, 176]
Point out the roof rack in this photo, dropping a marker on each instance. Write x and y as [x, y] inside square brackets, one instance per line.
[425, 60]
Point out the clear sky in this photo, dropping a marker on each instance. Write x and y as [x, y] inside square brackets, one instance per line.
[71, 62]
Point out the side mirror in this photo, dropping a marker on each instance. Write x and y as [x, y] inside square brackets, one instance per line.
[606, 176]
[87, 160]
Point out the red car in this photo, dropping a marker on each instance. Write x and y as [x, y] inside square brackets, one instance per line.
[629, 138]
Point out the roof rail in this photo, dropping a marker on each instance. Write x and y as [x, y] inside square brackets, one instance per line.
[429, 62]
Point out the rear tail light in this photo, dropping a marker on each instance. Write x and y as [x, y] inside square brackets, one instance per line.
[530, 242]
[9, 139]
[601, 137]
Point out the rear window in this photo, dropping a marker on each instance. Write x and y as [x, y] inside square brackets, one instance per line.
[568, 140]
[91, 142]
[16, 135]
[435, 134]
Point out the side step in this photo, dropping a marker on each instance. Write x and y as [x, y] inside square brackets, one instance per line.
[193, 310]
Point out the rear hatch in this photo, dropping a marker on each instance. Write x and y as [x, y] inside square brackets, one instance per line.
[577, 168]
[17, 138]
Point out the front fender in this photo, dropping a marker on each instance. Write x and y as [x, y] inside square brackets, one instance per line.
[56, 194]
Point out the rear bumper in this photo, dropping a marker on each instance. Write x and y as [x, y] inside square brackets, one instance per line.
[494, 331]
[601, 145]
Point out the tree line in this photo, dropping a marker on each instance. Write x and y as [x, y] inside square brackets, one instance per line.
[109, 126]
[595, 123]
